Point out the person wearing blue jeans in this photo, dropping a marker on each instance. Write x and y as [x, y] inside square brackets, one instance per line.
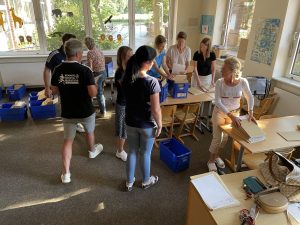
[139, 139]
[96, 61]
[100, 78]
[142, 114]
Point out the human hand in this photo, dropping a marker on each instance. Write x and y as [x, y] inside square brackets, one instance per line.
[158, 131]
[48, 92]
[171, 76]
[251, 117]
[235, 120]
[212, 84]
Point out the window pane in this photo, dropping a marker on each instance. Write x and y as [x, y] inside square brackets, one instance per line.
[110, 23]
[18, 31]
[62, 17]
[239, 23]
[151, 19]
[296, 65]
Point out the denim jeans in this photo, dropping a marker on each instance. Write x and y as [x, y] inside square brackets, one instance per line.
[140, 141]
[100, 96]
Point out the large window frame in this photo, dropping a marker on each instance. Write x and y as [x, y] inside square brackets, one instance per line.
[88, 29]
[226, 27]
[294, 53]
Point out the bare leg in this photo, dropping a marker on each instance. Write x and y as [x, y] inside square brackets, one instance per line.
[67, 155]
[90, 139]
[120, 144]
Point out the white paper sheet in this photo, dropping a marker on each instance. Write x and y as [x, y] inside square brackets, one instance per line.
[213, 192]
[294, 211]
[178, 68]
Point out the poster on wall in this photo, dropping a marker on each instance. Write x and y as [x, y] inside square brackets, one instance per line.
[265, 40]
[207, 24]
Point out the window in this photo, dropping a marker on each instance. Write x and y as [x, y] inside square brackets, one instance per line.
[18, 31]
[39, 25]
[295, 68]
[151, 19]
[62, 17]
[239, 22]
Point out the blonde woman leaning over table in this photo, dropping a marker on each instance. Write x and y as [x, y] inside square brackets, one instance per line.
[204, 66]
[229, 90]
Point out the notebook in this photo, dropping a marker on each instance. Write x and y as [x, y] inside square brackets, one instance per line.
[195, 91]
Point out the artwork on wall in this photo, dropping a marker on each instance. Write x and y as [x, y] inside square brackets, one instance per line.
[265, 40]
[207, 24]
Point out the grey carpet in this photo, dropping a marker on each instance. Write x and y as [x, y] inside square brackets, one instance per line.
[31, 192]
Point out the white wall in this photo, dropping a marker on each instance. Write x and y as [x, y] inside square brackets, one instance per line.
[188, 20]
[288, 103]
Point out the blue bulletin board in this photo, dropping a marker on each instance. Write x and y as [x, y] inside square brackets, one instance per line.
[207, 24]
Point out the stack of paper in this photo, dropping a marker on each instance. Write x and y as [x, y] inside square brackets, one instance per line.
[290, 135]
[213, 191]
[249, 131]
[195, 91]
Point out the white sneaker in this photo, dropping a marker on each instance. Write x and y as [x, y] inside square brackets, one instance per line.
[101, 115]
[220, 163]
[129, 186]
[212, 167]
[66, 178]
[122, 155]
[98, 149]
[80, 128]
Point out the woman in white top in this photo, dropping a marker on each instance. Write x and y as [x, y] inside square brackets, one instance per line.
[229, 90]
[179, 55]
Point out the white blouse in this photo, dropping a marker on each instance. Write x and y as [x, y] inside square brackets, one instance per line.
[227, 98]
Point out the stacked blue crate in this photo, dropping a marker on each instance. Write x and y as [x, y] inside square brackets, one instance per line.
[7, 113]
[16, 94]
[39, 111]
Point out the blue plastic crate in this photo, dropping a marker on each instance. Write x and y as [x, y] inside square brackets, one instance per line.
[180, 90]
[109, 69]
[16, 94]
[33, 96]
[163, 93]
[38, 111]
[12, 114]
[175, 154]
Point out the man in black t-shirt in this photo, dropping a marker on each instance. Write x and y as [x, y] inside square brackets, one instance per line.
[76, 85]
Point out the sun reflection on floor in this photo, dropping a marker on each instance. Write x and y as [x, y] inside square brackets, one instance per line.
[46, 201]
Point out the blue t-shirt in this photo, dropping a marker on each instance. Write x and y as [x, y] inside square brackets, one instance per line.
[55, 58]
[159, 60]
[138, 107]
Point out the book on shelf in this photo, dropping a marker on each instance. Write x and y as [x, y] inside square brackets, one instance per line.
[249, 131]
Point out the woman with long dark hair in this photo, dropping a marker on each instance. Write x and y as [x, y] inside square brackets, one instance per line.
[143, 115]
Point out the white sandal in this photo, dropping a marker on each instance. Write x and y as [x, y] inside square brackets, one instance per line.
[220, 163]
[212, 167]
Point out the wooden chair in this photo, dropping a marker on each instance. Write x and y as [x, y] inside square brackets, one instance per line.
[265, 106]
[168, 116]
[188, 115]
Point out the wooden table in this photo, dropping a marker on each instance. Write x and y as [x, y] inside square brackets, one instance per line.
[273, 140]
[205, 97]
[198, 213]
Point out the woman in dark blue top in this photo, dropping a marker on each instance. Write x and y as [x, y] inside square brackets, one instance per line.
[143, 115]
[123, 55]
[204, 66]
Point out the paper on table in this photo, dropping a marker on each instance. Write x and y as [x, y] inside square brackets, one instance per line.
[178, 68]
[213, 192]
[290, 135]
[294, 211]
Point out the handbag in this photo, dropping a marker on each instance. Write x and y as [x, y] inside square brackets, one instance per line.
[280, 172]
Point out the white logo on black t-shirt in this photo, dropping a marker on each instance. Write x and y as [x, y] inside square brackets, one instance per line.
[69, 79]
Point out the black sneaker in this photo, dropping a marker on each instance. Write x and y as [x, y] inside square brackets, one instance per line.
[152, 180]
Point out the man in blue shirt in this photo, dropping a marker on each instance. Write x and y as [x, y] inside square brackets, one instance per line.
[54, 59]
